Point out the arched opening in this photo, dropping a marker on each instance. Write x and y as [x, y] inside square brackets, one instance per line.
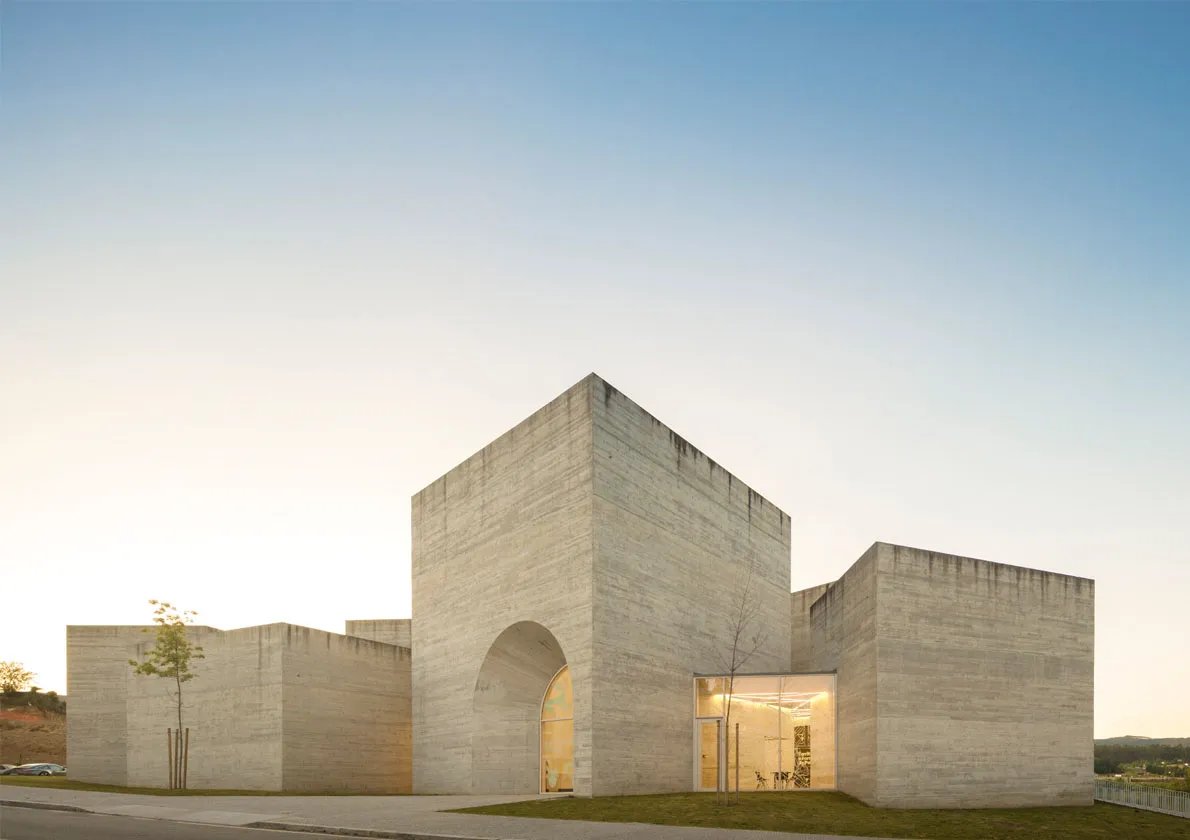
[557, 735]
[520, 669]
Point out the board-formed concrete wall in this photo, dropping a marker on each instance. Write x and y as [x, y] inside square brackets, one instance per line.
[675, 536]
[268, 704]
[232, 708]
[347, 714]
[985, 684]
[962, 683]
[597, 523]
[97, 673]
[843, 639]
[502, 539]
[391, 631]
[801, 650]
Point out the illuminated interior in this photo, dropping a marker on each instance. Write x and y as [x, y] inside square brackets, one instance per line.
[557, 735]
[786, 726]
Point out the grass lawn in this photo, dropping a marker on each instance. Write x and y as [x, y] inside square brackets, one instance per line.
[838, 813]
[64, 783]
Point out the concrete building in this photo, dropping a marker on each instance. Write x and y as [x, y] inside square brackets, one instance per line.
[961, 683]
[391, 631]
[589, 536]
[581, 587]
[276, 707]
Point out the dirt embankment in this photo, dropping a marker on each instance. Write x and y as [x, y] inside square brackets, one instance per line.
[28, 735]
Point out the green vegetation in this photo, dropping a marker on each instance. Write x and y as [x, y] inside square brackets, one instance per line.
[33, 700]
[1163, 782]
[837, 813]
[1162, 759]
[170, 659]
[18, 691]
[64, 783]
[32, 728]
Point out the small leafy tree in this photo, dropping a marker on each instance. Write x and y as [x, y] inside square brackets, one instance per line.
[170, 658]
[14, 677]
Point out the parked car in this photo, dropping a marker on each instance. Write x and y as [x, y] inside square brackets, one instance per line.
[37, 770]
[4, 768]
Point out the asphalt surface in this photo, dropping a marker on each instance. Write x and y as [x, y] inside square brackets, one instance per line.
[39, 824]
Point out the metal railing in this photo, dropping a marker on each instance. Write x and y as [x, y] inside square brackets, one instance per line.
[1145, 797]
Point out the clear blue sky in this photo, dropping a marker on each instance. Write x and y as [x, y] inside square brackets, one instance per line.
[916, 272]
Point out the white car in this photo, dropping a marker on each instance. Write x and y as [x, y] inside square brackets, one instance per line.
[37, 770]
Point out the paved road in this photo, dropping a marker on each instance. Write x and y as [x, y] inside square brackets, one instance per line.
[37, 824]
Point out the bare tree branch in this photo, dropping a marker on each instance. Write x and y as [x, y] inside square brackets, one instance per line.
[746, 637]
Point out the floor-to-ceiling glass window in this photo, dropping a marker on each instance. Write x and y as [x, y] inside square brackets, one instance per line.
[557, 735]
[808, 724]
[751, 712]
[775, 732]
[708, 745]
[708, 738]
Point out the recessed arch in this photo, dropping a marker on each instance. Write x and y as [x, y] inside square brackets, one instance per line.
[516, 673]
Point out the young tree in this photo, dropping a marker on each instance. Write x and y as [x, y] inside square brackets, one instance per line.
[14, 677]
[744, 636]
[170, 659]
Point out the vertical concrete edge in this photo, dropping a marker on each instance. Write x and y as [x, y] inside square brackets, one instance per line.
[591, 382]
[879, 556]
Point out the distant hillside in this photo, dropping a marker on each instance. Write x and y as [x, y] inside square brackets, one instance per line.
[1142, 741]
[27, 736]
[32, 727]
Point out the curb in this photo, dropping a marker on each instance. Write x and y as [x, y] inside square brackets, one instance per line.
[354, 832]
[44, 806]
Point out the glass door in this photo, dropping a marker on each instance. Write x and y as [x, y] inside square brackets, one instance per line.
[707, 748]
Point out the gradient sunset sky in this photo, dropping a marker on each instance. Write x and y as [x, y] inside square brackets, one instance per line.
[917, 273]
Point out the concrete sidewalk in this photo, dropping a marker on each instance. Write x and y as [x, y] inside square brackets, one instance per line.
[408, 817]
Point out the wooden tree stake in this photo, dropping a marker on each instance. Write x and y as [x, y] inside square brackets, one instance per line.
[737, 764]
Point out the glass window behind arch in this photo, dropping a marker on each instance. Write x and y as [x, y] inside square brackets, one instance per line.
[559, 699]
